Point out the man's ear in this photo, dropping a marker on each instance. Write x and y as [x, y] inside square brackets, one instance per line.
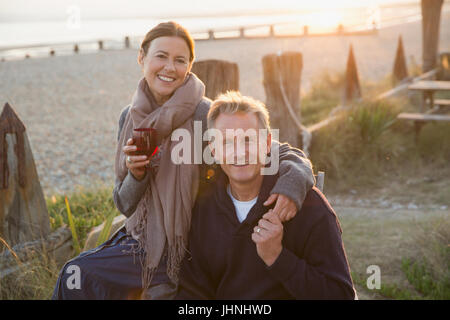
[211, 147]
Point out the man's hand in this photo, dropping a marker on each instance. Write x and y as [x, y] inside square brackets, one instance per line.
[285, 208]
[268, 235]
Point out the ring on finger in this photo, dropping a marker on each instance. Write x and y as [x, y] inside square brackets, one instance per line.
[129, 159]
[258, 230]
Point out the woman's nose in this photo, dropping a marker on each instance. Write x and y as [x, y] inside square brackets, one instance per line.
[169, 66]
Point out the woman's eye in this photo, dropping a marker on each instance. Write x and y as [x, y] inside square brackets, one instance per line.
[182, 61]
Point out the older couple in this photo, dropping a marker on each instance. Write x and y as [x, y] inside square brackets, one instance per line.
[222, 230]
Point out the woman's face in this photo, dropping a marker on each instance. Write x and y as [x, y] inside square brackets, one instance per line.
[165, 66]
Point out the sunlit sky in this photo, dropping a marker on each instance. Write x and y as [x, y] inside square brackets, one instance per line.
[11, 10]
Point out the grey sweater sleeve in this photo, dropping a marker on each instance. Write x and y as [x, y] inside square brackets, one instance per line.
[127, 193]
[296, 177]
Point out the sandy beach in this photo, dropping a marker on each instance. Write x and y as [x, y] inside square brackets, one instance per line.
[70, 105]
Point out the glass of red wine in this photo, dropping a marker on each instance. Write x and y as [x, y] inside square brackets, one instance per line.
[145, 141]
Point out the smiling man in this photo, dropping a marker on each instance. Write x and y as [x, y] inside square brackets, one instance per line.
[239, 249]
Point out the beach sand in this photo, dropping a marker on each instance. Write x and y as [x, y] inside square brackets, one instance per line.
[71, 104]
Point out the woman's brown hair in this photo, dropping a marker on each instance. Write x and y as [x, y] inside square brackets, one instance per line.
[169, 29]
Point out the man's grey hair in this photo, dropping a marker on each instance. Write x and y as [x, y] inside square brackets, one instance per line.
[232, 102]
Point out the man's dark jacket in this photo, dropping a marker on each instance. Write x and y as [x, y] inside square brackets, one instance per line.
[222, 262]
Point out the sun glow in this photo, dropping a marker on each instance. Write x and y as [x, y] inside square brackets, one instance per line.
[323, 19]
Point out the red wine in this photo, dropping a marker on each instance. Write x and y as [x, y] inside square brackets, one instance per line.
[145, 141]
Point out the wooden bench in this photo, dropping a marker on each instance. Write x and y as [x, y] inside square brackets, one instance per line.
[421, 118]
[428, 89]
[442, 102]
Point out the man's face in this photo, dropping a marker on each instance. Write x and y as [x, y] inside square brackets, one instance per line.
[241, 146]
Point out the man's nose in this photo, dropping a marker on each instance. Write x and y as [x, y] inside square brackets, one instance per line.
[241, 154]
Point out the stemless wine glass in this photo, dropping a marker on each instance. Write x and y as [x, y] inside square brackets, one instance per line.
[145, 141]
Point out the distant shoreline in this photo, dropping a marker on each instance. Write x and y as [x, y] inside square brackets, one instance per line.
[254, 28]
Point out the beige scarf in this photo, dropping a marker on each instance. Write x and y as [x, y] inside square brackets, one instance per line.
[163, 215]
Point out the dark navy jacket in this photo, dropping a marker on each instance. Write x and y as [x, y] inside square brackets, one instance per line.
[223, 262]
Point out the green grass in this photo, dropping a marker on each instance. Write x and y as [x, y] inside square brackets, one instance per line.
[366, 147]
[89, 207]
[324, 95]
[413, 254]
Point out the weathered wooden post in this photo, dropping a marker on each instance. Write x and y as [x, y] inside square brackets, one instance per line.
[23, 211]
[400, 71]
[431, 17]
[52, 52]
[76, 49]
[100, 45]
[217, 75]
[282, 77]
[127, 42]
[305, 30]
[211, 35]
[352, 89]
[241, 32]
[271, 31]
[444, 66]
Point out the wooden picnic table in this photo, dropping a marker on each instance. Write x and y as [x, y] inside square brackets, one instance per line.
[428, 88]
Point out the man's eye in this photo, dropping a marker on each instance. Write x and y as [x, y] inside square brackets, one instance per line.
[160, 56]
[182, 61]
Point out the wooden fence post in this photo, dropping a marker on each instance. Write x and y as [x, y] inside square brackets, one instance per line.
[305, 30]
[352, 88]
[444, 66]
[217, 75]
[400, 71]
[282, 76]
[23, 211]
[431, 17]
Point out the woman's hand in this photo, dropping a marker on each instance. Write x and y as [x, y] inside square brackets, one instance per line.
[285, 208]
[136, 164]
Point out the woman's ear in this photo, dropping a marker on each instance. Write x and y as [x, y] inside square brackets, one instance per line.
[190, 67]
[140, 58]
